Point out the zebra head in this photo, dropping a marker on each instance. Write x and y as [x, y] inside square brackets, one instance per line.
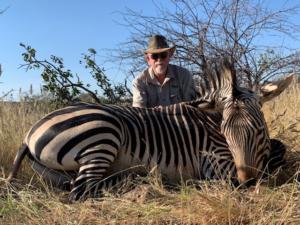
[243, 124]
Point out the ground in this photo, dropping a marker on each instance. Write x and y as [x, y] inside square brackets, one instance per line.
[274, 201]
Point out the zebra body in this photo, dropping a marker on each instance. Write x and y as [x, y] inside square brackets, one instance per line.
[182, 141]
[179, 140]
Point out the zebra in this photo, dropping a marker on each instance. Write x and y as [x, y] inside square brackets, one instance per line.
[182, 141]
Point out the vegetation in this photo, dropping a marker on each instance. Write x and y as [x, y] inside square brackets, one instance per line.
[274, 201]
[202, 31]
[207, 29]
[65, 86]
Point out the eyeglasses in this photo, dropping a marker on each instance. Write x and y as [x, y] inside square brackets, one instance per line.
[161, 55]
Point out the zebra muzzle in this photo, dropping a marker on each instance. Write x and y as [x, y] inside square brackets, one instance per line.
[246, 176]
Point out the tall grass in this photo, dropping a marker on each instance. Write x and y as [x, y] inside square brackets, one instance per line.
[283, 119]
[15, 120]
[33, 202]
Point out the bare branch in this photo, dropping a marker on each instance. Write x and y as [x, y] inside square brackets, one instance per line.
[206, 29]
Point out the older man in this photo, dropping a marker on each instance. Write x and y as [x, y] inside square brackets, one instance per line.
[161, 83]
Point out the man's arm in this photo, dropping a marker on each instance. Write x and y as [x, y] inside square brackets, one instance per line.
[139, 94]
[188, 86]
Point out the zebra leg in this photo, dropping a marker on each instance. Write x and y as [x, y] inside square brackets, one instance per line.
[93, 166]
[119, 182]
[17, 162]
[55, 178]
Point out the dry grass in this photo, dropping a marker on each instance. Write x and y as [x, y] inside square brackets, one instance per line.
[33, 202]
[283, 119]
[15, 120]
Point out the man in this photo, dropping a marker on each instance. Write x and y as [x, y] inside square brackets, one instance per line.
[161, 83]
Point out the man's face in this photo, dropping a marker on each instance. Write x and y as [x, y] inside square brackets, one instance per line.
[159, 62]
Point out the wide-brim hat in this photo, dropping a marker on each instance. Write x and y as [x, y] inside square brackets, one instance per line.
[158, 44]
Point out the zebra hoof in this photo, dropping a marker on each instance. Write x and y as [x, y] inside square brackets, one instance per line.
[71, 198]
[77, 196]
[65, 199]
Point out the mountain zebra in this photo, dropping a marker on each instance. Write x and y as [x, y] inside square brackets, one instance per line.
[183, 141]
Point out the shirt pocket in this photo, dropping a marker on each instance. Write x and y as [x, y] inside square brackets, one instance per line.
[174, 93]
[152, 95]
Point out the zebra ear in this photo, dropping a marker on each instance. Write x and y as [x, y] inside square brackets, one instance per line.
[273, 89]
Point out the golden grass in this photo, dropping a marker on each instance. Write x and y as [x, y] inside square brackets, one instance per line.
[15, 120]
[283, 119]
[33, 202]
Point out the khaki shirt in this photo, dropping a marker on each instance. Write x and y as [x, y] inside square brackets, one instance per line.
[177, 87]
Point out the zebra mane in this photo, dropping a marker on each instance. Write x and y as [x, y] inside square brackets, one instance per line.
[218, 81]
[217, 72]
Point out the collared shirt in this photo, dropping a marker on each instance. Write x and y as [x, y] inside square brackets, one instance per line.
[177, 87]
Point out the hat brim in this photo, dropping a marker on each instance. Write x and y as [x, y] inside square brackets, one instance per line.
[153, 51]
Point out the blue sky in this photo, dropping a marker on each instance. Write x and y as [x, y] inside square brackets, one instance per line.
[65, 28]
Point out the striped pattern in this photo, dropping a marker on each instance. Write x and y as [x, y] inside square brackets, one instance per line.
[246, 133]
[243, 124]
[183, 141]
[100, 140]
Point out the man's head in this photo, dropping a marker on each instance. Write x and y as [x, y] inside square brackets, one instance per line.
[158, 54]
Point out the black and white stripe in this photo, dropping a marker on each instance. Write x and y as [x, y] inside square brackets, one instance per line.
[243, 124]
[183, 142]
[100, 140]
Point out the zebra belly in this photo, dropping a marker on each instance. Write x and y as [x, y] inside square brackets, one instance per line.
[49, 160]
[125, 162]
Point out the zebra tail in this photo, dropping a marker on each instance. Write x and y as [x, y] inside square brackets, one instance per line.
[17, 162]
[57, 179]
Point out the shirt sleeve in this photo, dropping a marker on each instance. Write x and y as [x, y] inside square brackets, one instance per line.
[188, 87]
[139, 94]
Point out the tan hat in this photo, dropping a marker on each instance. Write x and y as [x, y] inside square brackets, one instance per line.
[158, 44]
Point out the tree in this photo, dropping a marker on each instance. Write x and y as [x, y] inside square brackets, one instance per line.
[67, 87]
[204, 30]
